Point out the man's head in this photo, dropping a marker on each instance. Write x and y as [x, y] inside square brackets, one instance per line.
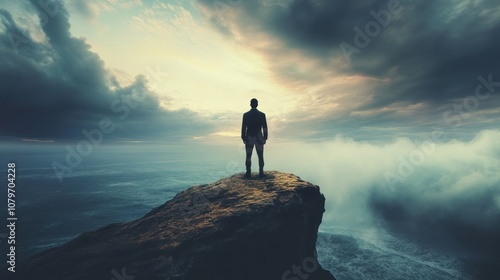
[254, 103]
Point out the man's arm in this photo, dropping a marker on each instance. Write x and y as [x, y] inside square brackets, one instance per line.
[264, 125]
[243, 130]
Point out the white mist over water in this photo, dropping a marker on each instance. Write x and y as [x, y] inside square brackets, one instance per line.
[446, 199]
[351, 174]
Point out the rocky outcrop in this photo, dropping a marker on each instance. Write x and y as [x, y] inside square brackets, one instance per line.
[234, 229]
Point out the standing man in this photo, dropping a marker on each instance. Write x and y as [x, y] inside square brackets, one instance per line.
[254, 133]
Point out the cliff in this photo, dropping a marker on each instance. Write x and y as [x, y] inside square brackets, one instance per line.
[232, 229]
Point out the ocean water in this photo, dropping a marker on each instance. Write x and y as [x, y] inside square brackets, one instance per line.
[118, 187]
[375, 254]
[100, 191]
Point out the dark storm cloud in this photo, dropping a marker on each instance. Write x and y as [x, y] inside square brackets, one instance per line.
[57, 88]
[424, 51]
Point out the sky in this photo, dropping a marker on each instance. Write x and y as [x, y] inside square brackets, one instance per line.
[186, 70]
[392, 107]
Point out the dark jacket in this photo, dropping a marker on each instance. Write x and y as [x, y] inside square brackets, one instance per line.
[254, 121]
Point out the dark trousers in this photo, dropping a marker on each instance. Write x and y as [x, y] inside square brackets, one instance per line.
[260, 154]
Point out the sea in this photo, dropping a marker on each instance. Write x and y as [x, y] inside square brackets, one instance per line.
[121, 184]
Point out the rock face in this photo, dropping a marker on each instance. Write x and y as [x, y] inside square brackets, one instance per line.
[233, 229]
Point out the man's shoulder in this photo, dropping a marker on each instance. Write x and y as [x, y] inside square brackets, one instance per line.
[254, 113]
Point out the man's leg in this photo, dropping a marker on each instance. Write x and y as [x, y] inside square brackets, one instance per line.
[260, 152]
[248, 161]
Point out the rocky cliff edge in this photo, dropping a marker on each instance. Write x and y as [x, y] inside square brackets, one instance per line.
[234, 229]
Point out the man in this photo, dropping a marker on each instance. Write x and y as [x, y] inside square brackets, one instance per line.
[254, 133]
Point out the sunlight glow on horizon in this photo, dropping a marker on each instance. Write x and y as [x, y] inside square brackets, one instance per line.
[189, 64]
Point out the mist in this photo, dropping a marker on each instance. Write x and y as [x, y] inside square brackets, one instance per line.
[446, 194]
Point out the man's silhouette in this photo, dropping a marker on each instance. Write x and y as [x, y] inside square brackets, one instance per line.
[254, 133]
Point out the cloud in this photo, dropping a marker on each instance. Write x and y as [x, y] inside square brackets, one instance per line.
[86, 8]
[55, 87]
[429, 54]
[92, 9]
